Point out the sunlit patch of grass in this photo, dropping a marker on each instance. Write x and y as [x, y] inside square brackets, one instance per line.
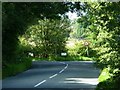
[104, 75]
[86, 58]
[106, 81]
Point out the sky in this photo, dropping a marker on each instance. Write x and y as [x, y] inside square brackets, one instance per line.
[72, 16]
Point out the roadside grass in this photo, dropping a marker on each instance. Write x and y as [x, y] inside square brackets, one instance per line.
[105, 81]
[39, 59]
[66, 58]
[86, 58]
[11, 69]
[80, 58]
[15, 68]
[104, 75]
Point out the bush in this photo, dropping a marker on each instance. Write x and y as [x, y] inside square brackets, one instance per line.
[60, 58]
[79, 49]
[108, 81]
[106, 85]
[112, 83]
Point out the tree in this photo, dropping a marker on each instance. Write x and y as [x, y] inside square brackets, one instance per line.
[48, 37]
[105, 24]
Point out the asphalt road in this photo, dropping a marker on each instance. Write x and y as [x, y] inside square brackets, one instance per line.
[66, 74]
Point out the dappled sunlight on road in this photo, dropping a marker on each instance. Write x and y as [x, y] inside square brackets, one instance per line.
[91, 81]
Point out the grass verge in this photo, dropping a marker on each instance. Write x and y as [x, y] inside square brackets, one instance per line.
[67, 58]
[15, 68]
[104, 75]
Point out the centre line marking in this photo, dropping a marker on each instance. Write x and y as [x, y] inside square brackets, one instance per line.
[64, 68]
[61, 70]
[53, 75]
[67, 65]
[40, 83]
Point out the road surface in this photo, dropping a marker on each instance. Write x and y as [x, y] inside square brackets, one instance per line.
[60, 75]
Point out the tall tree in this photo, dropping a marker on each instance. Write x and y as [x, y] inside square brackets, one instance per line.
[48, 37]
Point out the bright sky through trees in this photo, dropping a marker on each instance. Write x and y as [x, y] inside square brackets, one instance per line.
[71, 15]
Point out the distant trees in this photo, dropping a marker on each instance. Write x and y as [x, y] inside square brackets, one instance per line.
[82, 37]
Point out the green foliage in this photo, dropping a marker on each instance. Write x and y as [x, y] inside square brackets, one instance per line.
[78, 48]
[72, 58]
[110, 83]
[104, 75]
[108, 46]
[47, 38]
[16, 17]
[106, 85]
[101, 26]
[104, 19]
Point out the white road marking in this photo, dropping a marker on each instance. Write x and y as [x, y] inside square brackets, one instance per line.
[40, 83]
[53, 76]
[67, 65]
[64, 68]
[61, 70]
